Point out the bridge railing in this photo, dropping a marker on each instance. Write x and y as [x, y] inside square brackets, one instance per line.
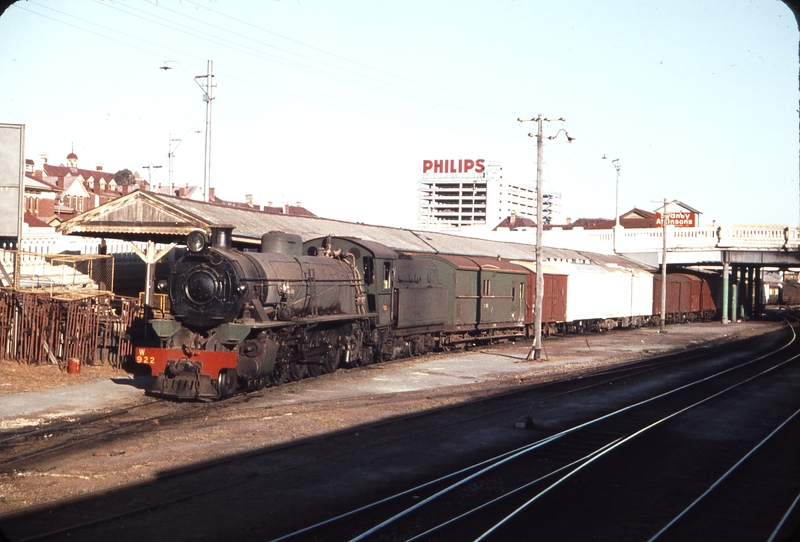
[713, 237]
[758, 236]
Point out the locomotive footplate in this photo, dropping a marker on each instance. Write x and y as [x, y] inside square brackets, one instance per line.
[183, 380]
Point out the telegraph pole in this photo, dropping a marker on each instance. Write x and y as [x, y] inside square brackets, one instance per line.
[150, 169]
[536, 350]
[662, 329]
[207, 97]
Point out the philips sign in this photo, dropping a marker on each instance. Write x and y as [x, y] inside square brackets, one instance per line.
[453, 166]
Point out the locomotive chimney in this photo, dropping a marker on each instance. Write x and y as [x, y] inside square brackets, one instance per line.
[221, 236]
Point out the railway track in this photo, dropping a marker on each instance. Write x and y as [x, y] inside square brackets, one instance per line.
[625, 489]
[554, 455]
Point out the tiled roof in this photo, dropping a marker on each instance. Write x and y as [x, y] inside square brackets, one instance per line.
[33, 221]
[519, 222]
[64, 171]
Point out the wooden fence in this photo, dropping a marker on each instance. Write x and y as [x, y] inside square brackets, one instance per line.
[41, 328]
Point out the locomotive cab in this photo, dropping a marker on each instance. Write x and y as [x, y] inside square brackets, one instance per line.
[376, 264]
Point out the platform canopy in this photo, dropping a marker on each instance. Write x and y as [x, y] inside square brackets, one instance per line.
[145, 216]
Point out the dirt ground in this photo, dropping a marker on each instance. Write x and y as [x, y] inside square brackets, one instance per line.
[17, 377]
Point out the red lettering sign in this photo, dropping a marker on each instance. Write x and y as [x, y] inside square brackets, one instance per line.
[677, 219]
[453, 166]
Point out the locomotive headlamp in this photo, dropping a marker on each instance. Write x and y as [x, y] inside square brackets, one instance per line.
[196, 241]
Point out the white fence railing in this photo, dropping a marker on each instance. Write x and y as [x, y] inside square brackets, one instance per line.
[644, 240]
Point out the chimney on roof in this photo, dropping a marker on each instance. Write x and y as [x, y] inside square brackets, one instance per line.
[99, 166]
[181, 192]
[38, 163]
[60, 181]
[299, 203]
[513, 218]
[211, 195]
[269, 204]
[248, 198]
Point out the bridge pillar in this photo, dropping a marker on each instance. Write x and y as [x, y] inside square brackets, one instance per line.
[741, 293]
[725, 290]
[758, 291]
[741, 309]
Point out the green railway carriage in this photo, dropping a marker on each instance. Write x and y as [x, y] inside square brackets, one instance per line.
[486, 296]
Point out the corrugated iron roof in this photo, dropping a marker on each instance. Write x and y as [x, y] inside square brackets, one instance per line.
[143, 215]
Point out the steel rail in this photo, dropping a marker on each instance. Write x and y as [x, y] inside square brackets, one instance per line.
[75, 423]
[531, 447]
[724, 476]
[497, 499]
[784, 519]
[647, 428]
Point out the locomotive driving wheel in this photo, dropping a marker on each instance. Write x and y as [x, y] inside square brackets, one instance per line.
[226, 382]
[297, 370]
[314, 364]
[331, 360]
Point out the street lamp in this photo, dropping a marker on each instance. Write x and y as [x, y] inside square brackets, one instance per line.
[207, 97]
[616, 165]
[171, 155]
[535, 352]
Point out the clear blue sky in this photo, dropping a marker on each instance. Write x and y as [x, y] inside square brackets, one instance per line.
[337, 103]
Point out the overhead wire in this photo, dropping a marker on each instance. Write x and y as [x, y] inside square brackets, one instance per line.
[340, 57]
[293, 90]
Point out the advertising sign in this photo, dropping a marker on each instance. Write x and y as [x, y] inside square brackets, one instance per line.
[12, 179]
[677, 219]
[453, 166]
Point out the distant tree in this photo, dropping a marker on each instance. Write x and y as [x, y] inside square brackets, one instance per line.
[123, 176]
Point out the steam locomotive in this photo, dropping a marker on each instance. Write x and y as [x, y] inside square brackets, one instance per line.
[244, 320]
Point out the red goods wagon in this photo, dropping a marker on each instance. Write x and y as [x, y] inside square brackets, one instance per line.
[689, 297]
[708, 307]
[554, 300]
[790, 294]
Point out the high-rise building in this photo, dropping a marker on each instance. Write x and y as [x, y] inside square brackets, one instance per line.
[454, 194]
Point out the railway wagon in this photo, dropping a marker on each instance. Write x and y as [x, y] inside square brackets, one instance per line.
[554, 298]
[689, 298]
[790, 293]
[485, 297]
[602, 296]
